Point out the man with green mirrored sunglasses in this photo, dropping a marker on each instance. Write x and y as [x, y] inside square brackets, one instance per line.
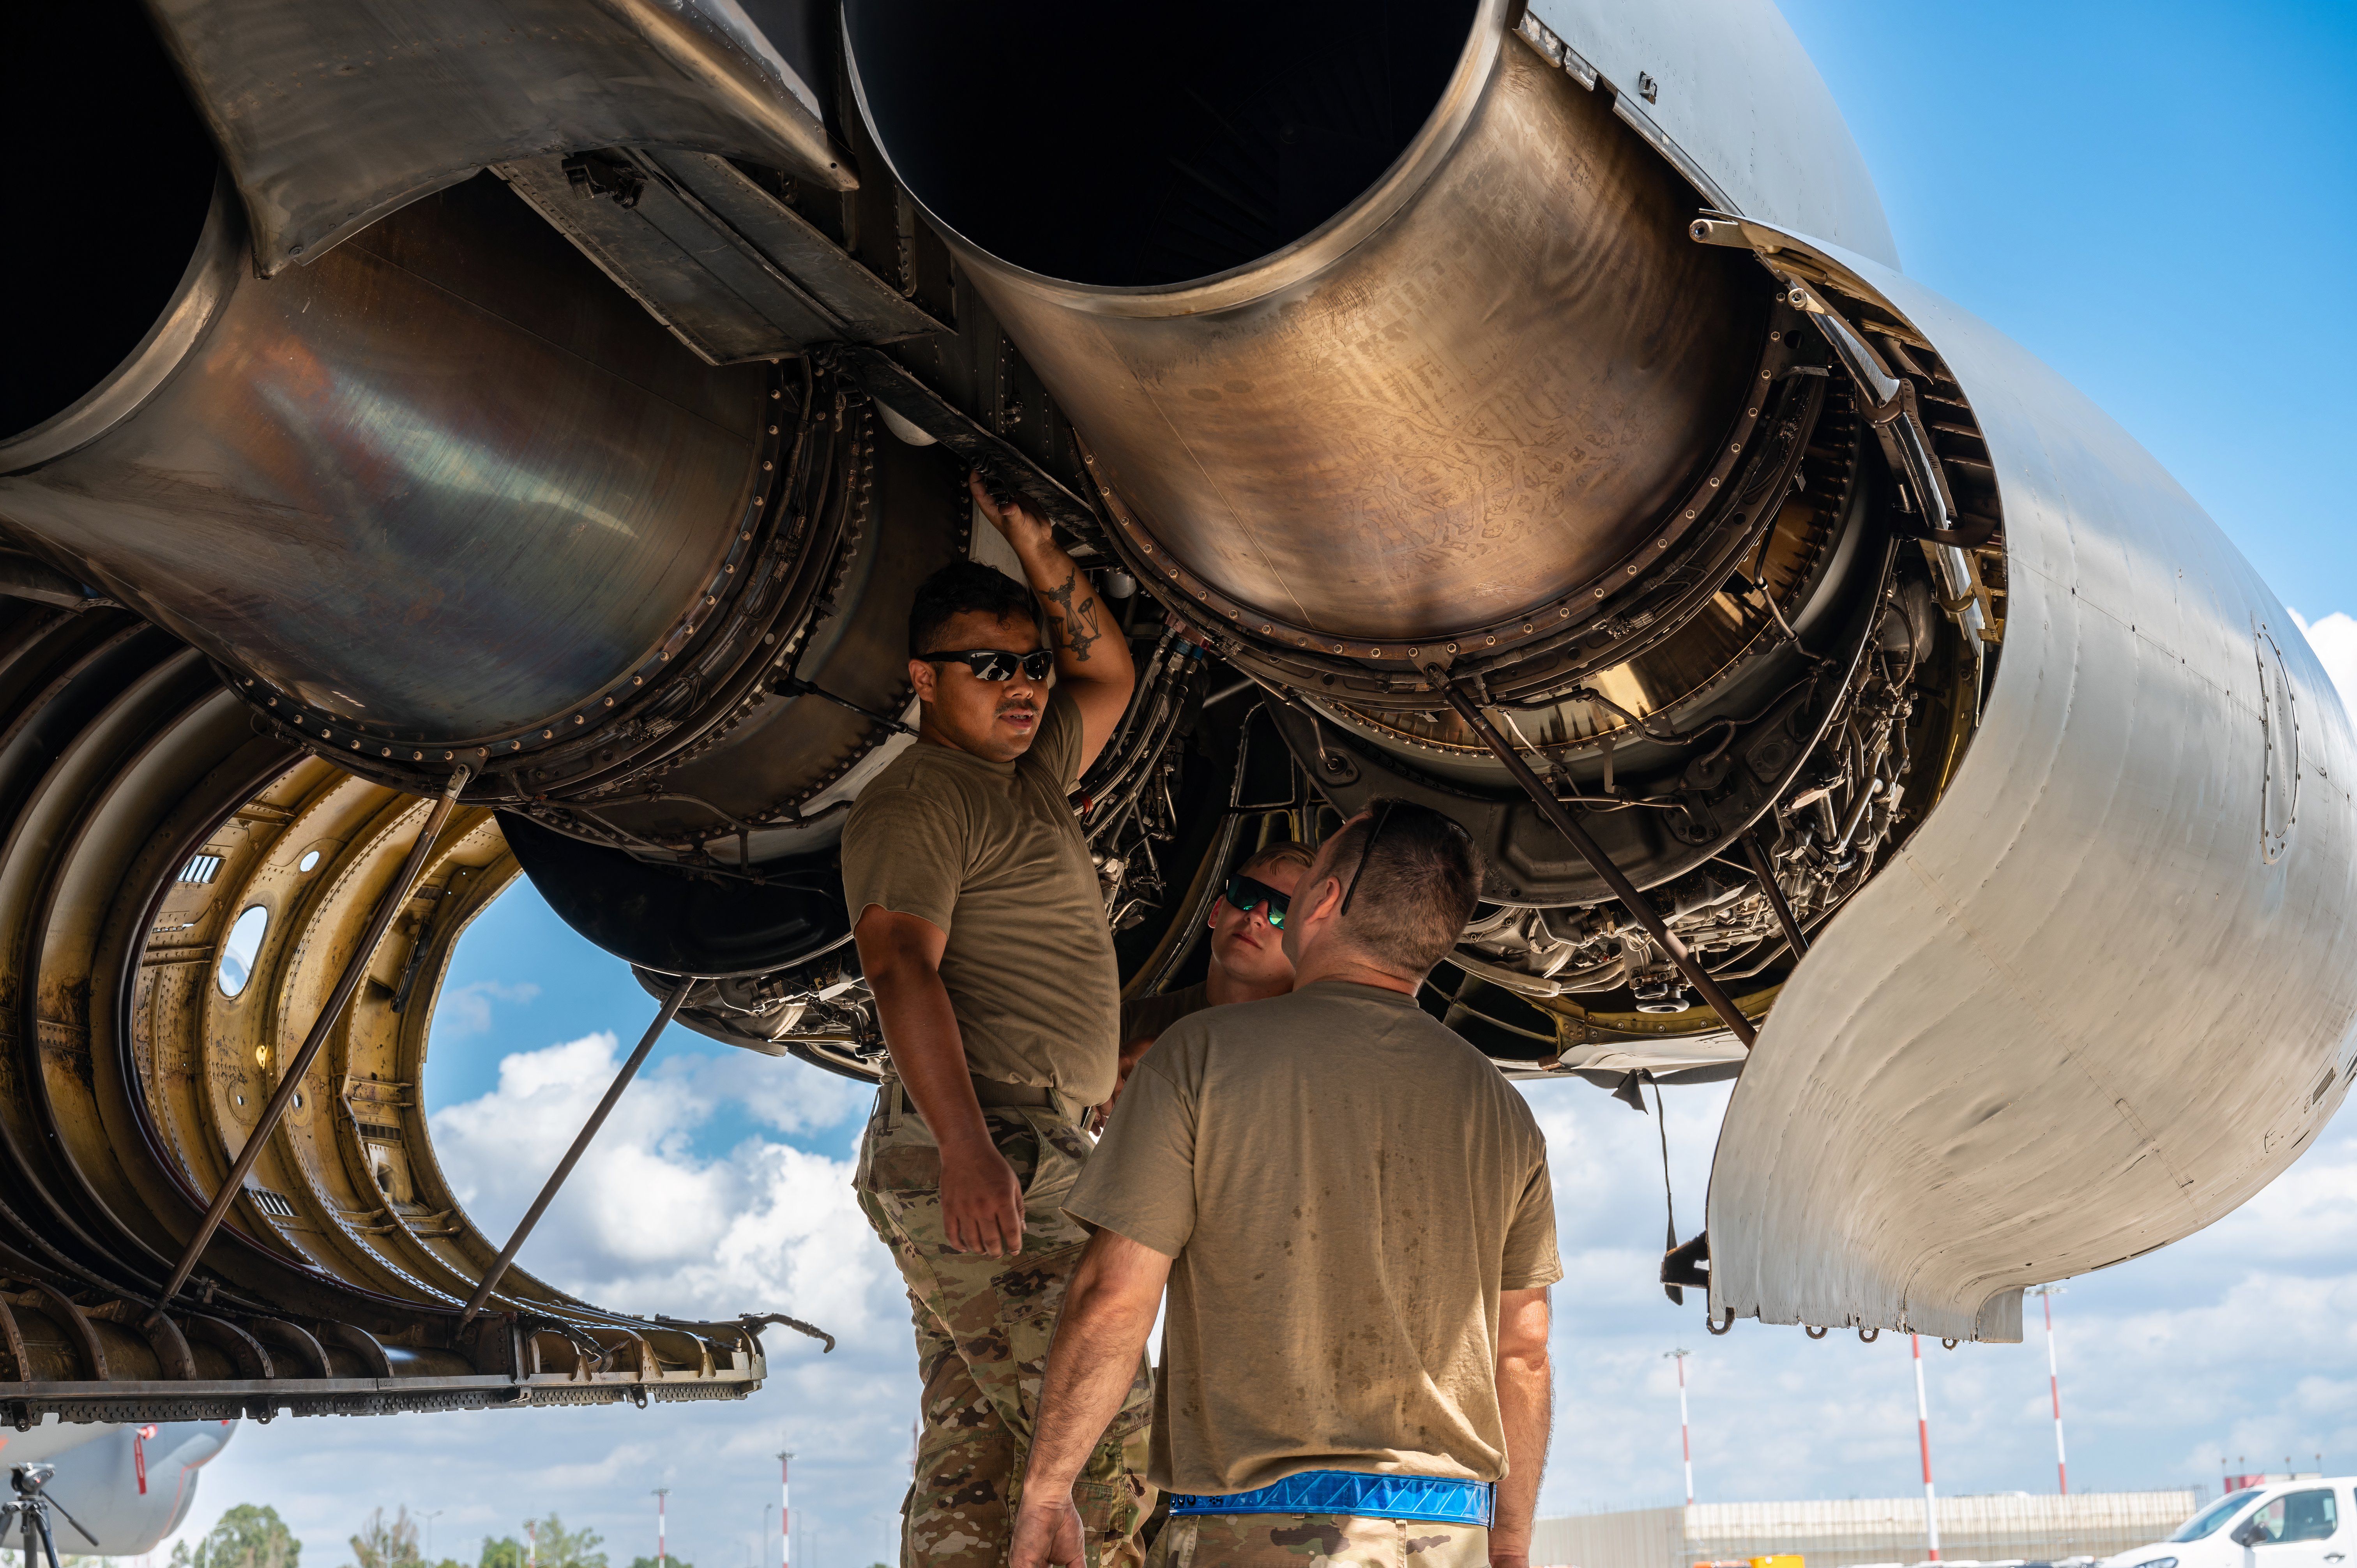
[1248, 962]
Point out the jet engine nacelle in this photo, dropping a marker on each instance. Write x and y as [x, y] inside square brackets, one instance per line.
[128, 1485]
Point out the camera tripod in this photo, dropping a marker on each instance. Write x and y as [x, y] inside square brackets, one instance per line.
[30, 1512]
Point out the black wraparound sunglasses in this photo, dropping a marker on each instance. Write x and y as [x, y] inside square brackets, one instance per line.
[997, 663]
[1246, 892]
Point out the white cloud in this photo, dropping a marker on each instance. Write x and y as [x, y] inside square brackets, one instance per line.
[2334, 638]
[652, 1220]
[648, 1225]
[467, 1009]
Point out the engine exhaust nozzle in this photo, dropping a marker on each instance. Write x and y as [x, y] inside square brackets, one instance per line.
[1379, 325]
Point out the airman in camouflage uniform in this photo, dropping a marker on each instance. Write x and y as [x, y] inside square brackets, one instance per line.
[981, 929]
[1328, 1539]
[984, 1326]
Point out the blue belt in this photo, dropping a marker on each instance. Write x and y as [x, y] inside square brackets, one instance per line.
[1431, 1499]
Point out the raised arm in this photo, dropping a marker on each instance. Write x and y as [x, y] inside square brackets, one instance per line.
[1093, 659]
[982, 1201]
[1526, 1399]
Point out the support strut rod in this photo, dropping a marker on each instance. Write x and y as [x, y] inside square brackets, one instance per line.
[1623, 889]
[290, 1082]
[497, 1270]
[1767, 884]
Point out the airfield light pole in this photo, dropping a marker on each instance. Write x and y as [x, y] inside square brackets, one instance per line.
[1924, 1436]
[662, 1500]
[2054, 1387]
[785, 1510]
[1685, 1441]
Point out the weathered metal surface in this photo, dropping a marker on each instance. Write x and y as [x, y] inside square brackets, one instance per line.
[143, 818]
[445, 483]
[1465, 394]
[332, 116]
[733, 273]
[1734, 97]
[2109, 989]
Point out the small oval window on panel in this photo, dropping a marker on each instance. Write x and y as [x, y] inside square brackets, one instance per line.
[310, 858]
[240, 951]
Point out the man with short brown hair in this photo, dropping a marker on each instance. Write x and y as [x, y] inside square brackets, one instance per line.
[1351, 1211]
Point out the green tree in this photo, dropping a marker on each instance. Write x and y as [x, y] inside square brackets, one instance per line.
[667, 1563]
[503, 1551]
[243, 1537]
[562, 1548]
[381, 1544]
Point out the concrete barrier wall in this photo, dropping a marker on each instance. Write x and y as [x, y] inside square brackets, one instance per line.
[1860, 1531]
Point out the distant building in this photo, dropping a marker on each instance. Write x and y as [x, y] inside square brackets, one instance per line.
[2016, 1528]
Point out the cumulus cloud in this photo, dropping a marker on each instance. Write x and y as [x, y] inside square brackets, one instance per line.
[648, 1223]
[660, 1216]
[2334, 638]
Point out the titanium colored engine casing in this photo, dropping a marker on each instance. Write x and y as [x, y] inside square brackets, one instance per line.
[2109, 989]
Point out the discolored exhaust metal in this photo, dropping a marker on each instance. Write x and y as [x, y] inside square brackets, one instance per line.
[447, 496]
[1384, 334]
[421, 496]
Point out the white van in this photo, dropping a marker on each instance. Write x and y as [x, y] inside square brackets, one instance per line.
[2285, 1524]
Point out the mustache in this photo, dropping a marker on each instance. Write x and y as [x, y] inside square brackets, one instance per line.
[1017, 707]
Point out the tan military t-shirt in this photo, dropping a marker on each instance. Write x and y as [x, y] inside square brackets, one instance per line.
[1144, 1018]
[992, 854]
[1346, 1187]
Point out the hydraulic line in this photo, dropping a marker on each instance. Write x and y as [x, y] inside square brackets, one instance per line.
[1590, 851]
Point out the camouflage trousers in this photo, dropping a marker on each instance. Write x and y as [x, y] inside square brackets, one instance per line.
[1302, 1539]
[984, 1326]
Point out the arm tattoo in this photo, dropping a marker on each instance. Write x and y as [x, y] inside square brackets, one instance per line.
[1079, 625]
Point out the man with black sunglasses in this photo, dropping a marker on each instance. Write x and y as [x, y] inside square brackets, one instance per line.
[981, 929]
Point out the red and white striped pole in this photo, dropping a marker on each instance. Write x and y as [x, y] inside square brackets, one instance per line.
[785, 1510]
[1685, 1441]
[1924, 1436]
[663, 1496]
[2054, 1387]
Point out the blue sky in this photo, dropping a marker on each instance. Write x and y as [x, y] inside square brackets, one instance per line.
[2154, 197]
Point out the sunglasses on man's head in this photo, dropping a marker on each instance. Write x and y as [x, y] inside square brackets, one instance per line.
[1247, 892]
[998, 664]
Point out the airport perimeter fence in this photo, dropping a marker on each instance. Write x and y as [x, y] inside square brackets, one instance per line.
[1863, 1531]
